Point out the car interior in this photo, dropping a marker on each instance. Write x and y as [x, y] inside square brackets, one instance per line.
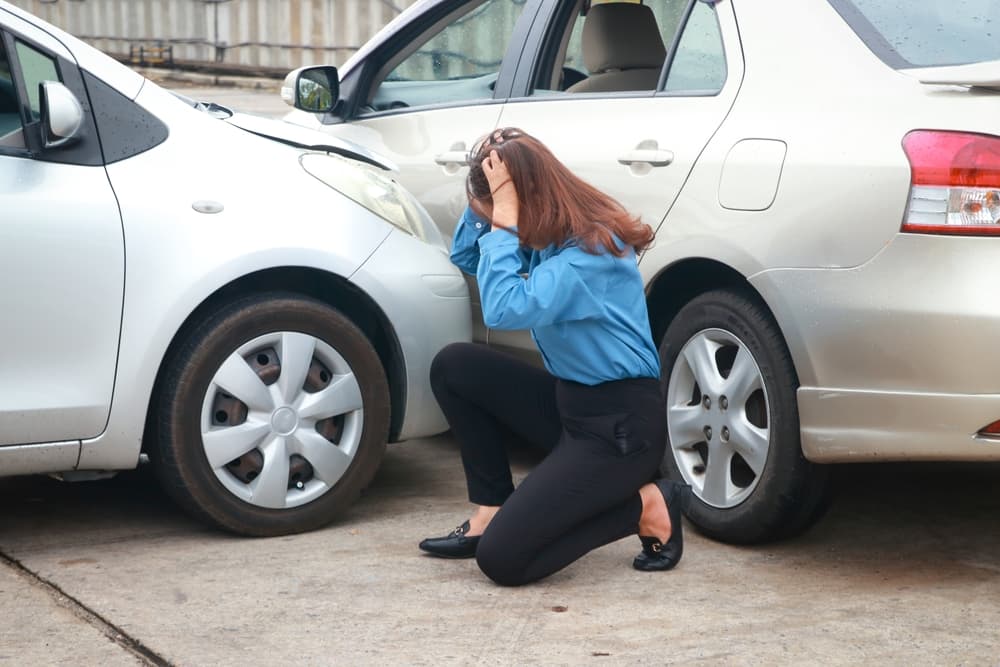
[596, 47]
[622, 49]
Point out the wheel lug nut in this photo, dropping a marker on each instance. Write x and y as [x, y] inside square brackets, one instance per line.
[707, 402]
[725, 434]
[723, 402]
[708, 433]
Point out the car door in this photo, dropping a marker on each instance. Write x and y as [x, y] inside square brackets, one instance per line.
[424, 98]
[427, 94]
[61, 255]
[637, 136]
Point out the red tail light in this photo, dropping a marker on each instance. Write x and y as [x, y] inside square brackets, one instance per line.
[992, 429]
[955, 183]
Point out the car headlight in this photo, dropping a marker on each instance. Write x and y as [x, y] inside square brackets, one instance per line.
[376, 191]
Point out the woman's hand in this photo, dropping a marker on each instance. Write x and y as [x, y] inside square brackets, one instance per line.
[505, 203]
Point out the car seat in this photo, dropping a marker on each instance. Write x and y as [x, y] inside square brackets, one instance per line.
[622, 48]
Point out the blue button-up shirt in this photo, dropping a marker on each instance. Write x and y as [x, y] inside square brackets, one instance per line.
[587, 313]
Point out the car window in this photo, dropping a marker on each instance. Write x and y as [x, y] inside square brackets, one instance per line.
[699, 66]
[617, 46]
[668, 15]
[453, 62]
[36, 67]
[11, 134]
[929, 33]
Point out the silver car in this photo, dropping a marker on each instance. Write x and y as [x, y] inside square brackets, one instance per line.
[824, 176]
[251, 304]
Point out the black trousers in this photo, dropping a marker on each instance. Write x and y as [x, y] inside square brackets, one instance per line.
[602, 442]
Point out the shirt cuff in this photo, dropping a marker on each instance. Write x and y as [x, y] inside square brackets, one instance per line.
[474, 222]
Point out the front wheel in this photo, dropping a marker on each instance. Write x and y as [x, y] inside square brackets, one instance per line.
[732, 421]
[273, 415]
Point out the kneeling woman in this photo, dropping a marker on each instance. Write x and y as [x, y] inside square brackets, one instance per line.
[554, 254]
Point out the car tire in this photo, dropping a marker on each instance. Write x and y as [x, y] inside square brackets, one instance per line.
[733, 426]
[271, 417]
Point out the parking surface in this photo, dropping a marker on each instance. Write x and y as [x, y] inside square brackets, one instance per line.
[904, 569]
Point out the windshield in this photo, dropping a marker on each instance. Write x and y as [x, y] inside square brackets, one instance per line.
[926, 33]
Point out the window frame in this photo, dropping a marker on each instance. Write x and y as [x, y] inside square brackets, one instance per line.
[399, 45]
[550, 31]
[85, 152]
[29, 128]
[26, 112]
[672, 53]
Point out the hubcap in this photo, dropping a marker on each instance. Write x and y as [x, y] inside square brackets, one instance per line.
[718, 417]
[282, 419]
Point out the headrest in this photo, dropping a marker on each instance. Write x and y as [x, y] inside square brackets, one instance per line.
[621, 35]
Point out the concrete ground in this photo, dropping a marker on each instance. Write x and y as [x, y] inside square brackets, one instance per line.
[903, 570]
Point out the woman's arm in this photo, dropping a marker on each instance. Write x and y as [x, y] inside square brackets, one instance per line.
[571, 285]
[464, 248]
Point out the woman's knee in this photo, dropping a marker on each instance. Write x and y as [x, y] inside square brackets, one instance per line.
[447, 362]
[454, 356]
[498, 563]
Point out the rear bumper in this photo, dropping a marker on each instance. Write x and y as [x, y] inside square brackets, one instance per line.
[897, 358]
[840, 426]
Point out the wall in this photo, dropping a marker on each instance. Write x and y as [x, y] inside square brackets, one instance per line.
[263, 33]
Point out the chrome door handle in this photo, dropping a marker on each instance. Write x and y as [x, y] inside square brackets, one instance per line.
[453, 157]
[651, 156]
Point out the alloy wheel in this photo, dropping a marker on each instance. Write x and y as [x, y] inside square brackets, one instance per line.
[718, 417]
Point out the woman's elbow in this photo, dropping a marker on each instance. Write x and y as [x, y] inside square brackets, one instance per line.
[492, 319]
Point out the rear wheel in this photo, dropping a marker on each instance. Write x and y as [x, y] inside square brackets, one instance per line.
[732, 421]
[273, 415]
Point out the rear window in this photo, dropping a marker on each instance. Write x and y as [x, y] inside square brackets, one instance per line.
[926, 33]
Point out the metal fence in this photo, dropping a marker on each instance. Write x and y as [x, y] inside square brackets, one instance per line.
[281, 34]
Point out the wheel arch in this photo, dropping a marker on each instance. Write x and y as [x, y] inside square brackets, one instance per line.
[680, 282]
[796, 504]
[329, 288]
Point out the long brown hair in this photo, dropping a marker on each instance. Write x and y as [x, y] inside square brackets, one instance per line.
[555, 205]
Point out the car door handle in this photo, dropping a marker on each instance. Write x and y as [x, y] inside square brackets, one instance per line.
[651, 156]
[453, 157]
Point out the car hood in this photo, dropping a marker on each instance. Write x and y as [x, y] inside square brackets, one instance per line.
[303, 137]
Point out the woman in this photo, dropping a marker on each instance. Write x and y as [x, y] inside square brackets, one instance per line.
[553, 254]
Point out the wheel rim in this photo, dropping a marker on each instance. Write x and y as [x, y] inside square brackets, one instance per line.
[281, 421]
[718, 418]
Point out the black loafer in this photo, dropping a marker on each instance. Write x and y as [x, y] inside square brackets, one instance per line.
[454, 545]
[657, 556]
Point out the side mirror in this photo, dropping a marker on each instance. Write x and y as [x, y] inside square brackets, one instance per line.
[61, 114]
[312, 89]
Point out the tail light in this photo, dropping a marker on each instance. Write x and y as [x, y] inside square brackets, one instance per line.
[991, 430]
[955, 183]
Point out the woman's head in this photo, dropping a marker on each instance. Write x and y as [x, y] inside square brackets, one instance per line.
[554, 204]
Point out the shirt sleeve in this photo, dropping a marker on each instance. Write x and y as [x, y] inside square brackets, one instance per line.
[570, 285]
[464, 248]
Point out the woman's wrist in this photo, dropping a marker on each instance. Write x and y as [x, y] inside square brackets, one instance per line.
[504, 215]
[497, 189]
